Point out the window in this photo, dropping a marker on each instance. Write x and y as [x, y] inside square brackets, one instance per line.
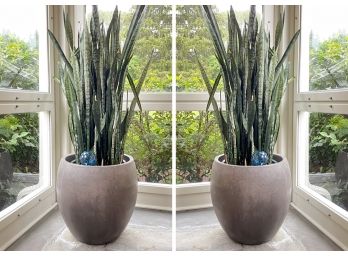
[26, 119]
[19, 54]
[328, 144]
[198, 142]
[321, 119]
[19, 156]
[150, 143]
[19, 49]
[328, 47]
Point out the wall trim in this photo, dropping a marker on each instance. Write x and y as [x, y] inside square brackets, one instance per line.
[315, 217]
[13, 231]
[193, 196]
[154, 196]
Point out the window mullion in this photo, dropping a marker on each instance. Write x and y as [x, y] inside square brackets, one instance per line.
[15, 96]
[323, 96]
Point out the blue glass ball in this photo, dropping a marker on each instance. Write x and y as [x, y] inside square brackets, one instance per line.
[259, 158]
[88, 158]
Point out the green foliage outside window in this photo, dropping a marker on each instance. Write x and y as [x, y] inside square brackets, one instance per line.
[19, 136]
[197, 144]
[193, 34]
[155, 32]
[19, 67]
[328, 136]
[328, 70]
[329, 63]
[150, 143]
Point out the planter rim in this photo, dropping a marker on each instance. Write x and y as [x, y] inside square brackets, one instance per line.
[66, 157]
[281, 159]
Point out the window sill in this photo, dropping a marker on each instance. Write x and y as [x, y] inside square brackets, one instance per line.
[193, 196]
[154, 196]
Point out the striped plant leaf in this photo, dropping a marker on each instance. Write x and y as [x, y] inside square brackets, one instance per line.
[254, 81]
[60, 51]
[92, 78]
[68, 31]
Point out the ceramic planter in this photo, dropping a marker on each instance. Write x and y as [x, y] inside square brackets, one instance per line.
[251, 202]
[96, 202]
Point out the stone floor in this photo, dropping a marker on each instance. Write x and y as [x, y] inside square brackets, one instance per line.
[147, 230]
[200, 230]
[196, 230]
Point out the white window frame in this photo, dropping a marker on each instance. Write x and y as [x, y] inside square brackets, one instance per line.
[324, 214]
[19, 217]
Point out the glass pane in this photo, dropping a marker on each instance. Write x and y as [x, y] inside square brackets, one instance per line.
[154, 33]
[149, 141]
[193, 34]
[328, 43]
[328, 157]
[19, 156]
[19, 47]
[198, 142]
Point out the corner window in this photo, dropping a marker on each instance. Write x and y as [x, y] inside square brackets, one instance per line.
[327, 46]
[320, 119]
[26, 108]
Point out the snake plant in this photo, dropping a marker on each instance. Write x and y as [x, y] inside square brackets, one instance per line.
[255, 78]
[93, 80]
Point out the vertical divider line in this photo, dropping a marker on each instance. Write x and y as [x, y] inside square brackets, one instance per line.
[173, 128]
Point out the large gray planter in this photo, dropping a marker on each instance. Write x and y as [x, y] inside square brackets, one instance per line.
[251, 202]
[96, 202]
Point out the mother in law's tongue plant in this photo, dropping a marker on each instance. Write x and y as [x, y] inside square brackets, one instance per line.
[250, 186]
[98, 178]
[93, 81]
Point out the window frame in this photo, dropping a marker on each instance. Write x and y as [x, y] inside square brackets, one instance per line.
[324, 214]
[20, 216]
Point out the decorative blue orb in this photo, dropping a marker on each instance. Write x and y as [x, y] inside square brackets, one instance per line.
[255, 161]
[88, 158]
[259, 158]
